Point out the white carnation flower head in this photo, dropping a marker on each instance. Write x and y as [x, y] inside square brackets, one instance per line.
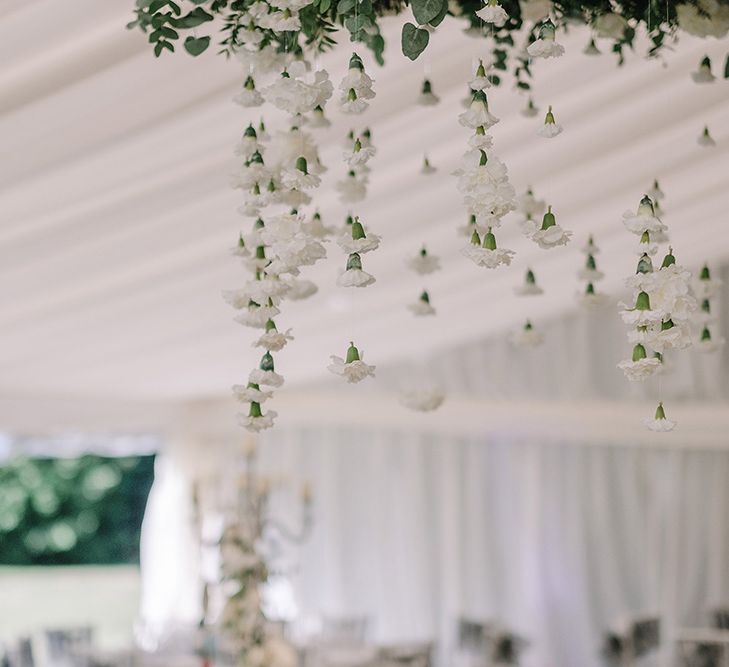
[527, 336]
[707, 286]
[529, 205]
[316, 228]
[299, 177]
[591, 298]
[423, 263]
[300, 289]
[644, 220]
[550, 128]
[317, 118]
[427, 97]
[358, 155]
[248, 144]
[529, 287]
[422, 306]
[353, 368]
[703, 74]
[355, 88]
[272, 339]
[550, 234]
[255, 420]
[265, 373]
[487, 254]
[709, 343]
[546, 46]
[422, 399]
[354, 239]
[640, 366]
[255, 315]
[591, 49]
[292, 94]
[354, 276]
[705, 139]
[530, 110]
[478, 114]
[353, 188]
[590, 272]
[249, 96]
[245, 393]
[493, 13]
[660, 423]
[427, 169]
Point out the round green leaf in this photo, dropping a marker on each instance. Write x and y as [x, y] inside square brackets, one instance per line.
[195, 46]
[425, 11]
[414, 40]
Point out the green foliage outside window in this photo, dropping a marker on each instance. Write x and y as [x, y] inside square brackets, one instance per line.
[76, 511]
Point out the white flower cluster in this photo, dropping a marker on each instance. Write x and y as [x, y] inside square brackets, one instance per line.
[355, 242]
[590, 275]
[661, 306]
[483, 180]
[276, 177]
[358, 152]
[706, 288]
[352, 368]
[355, 89]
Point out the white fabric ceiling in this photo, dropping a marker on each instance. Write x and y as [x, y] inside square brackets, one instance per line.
[117, 216]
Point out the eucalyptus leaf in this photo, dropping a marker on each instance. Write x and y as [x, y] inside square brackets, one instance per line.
[356, 23]
[345, 6]
[324, 6]
[425, 11]
[196, 45]
[726, 67]
[196, 17]
[414, 40]
[441, 14]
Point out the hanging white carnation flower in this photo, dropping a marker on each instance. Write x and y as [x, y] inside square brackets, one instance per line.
[249, 96]
[591, 49]
[292, 94]
[427, 97]
[245, 393]
[545, 46]
[550, 128]
[640, 366]
[240, 249]
[300, 289]
[478, 114]
[355, 240]
[353, 368]
[529, 205]
[644, 220]
[354, 276]
[253, 176]
[352, 188]
[527, 336]
[529, 287]
[422, 399]
[487, 255]
[255, 420]
[550, 234]
[299, 178]
[423, 263]
[273, 340]
[703, 73]
[494, 13]
[591, 298]
[355, 87]
[283, 20]
[248, 143]
[708, 343]
[427, 168]
[589, 272]
[707, 287]
[641, 313]
[358, 155]
[480, 140]
[422, 305]
[317, 118]
[530, 110]
[316, 228]
[659, 422]
[255, 315]
[705, 139]
[265, 373]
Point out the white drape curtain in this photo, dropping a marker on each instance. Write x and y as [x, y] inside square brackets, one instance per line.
[556, 541]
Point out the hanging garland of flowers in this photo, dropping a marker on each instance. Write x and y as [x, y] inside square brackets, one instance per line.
[280, 171]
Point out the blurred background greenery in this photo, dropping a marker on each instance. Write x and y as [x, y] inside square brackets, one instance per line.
[73, 511]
